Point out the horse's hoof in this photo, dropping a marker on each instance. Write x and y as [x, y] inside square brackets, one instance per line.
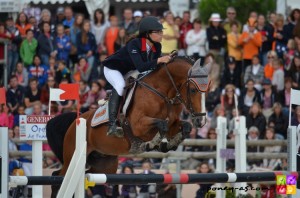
[163, 147]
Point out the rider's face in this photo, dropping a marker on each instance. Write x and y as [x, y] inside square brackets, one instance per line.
[156, 36]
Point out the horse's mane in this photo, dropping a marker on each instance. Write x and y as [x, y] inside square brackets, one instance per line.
[188, 59]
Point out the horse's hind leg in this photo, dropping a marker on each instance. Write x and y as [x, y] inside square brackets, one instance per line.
[55, 188]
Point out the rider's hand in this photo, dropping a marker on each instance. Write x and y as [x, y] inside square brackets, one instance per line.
[164, 59]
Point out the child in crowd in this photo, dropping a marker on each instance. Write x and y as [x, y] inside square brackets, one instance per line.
[82, 70]
[278, 76]
[62, 72]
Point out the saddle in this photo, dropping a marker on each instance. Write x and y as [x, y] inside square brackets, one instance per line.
[101, 115]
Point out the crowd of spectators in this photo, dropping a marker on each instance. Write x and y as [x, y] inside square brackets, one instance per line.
[255, 65]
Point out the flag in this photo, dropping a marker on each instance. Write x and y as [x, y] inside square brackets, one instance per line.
[295, 97]
[71, 91]
[2, 96]
[55, 94]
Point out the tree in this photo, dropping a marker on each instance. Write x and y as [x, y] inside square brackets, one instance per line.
[243, 8]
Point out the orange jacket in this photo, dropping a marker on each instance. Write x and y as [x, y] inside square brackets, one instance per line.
[252, 46]
[23, 30]
[110, 38]
[233, 46]
[269, 70]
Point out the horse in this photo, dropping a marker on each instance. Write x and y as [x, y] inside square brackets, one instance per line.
[152, 122]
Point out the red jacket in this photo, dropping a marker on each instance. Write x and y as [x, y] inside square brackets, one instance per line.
[184, 28]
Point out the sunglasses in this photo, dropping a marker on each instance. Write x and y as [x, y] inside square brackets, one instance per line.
[231, 13]
[270, 57]
[158, 32]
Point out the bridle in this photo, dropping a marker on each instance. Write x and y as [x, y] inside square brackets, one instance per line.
[178, 98]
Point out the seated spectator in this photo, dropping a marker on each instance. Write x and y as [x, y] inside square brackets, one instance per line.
[295, 72]
[22, 24]
[248, 96]
[147, 190]
[255, 72]
[26, 162]
[278, 76]
[121, 39]
[111, 35]
[213, 97]
[82, 70]
[65, 106]
[268, 69]
[95, 94]
[32, 96]
[280, 36]
[280, 121]
[271, 163]
[231, 74]
[256, 118]
[203, 188]
[12, 146]
[268, 97]
[62, 72]
[166, 190]
[52, 66]
[83, 95]
[22, 74]
[45, 92]
[20, 111]
[63, 44]
[253, 135]
[289, 55]
[296, 117]
[228, 100]
[194, 135]
[4, 121]
[128, 191]
[28, 48]
[14, 94]
[218, 111]
[37, 110]
[211, 135]
[45, 17]
[74, 30]
[285, 95]
[39, 71]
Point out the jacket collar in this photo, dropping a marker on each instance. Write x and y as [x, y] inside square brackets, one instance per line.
[144, 47]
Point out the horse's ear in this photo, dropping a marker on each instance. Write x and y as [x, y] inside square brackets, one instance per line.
[197, 63]
[208, 65]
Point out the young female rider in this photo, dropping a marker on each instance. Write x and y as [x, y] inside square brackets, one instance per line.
[142, 53]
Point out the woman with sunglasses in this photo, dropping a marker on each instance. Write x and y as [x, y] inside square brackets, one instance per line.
[142, 53]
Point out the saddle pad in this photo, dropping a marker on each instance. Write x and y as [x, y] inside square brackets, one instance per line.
[100, 115]
[128, 99]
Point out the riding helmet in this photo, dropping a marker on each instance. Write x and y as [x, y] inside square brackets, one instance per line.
[150, 23]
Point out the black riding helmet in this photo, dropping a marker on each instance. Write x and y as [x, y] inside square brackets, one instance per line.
[149, 24]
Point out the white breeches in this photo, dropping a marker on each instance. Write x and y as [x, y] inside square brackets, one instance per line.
[116, 79]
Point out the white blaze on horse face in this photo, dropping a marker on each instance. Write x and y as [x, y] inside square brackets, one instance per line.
[203, 110]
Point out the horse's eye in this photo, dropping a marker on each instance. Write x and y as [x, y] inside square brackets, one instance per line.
[193, 91]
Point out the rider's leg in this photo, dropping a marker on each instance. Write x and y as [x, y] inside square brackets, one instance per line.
[116, 79]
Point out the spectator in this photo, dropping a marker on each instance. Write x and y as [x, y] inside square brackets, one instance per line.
[280, 36]
[62, 72]
[295, 120]
[46, 18]
[60, 15]
[128, 23]
[195, 41]
[251, 41]
[22, 24]
[255, 72]
[20, 111]
[213, 97]
[211, 135]
[75, 29]
[278, 76]
[217, 38]
[218, 111]
[82, 70]
[45, 92]
[229, 100]
[271, 163]
[231, 18]
[248, 96]
[252, 15]
[269, 69]
[14, 94]
[37, 110]
[32, 96]
[65, 106]
[137, 16]
[83, 95]
[253, 135]
[272, 19]
[289, 28]
[22, 75]
[289, 55]
[214, 68]
[69, 19]
[111, 35]
[63, 44]
[4, 121]
[203, 188]
[170, 35]
[28, 48]
[34, 25]
[52, 67]
[12, 146]
[231, 74]
[46, 44]
[8, 36]
[86, 43]
[234, 49]
[184, 28]
[147, 190]
[121, 39]
[99, 27]
[268, 97]
[128, 191]
[96, 93]
[38, 70]
[267, 33]
[295, 72]
[279, 120]
[285, 95]
[256, 118]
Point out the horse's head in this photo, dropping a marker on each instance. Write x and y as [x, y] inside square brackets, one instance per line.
[197, 84]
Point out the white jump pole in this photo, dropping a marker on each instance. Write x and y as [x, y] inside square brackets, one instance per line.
[221, 144]
[37, 166]
[292, 150]
[240, 132]
[75, 176]
[4, 162]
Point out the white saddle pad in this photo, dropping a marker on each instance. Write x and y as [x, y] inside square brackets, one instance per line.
[100, 115]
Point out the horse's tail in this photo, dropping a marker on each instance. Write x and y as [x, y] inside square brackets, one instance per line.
[56, 130]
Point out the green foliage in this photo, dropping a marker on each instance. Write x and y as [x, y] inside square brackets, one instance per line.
[243, 8]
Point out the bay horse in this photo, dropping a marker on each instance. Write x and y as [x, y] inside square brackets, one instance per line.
[153, 117]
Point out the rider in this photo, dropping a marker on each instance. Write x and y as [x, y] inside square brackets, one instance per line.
[142, 53]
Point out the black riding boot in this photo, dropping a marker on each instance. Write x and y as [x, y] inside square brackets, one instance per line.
[113, 108]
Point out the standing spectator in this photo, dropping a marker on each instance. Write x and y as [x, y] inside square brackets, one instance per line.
[99, 27]
[127, 22]
[278, 76]
[289, 28]
[267, 33]
[14, 94]
[296, 117]
[75, 29]
[234, 49]
[128, 191]
[22, 24]
[252, 15]
[256, 118]
[279, 120]
[4, 35]
[32, 96]
[22, 75]
[46, 46]
[63, 44]
[248, 96]
[272, 19]
[231, 74]
[46, 18]
[271, 163]
[280, 36]
[111, 35]
[82, 70]
[255, 72]
[28, 48]
[217, 38]
[231, 18]
[147, 190]
[137, 16]
[170, 34]
[269, 69]
[295, 71]
[62, 72]
[289, 55]
[184, 28]
[195, 40]
[268, 97]
[69, 19]
[38, 70]
[229, 100]
[250, 41]
[60, 15]
[86, 43]
[203, 188]
[121, 39]
[285, 95]
[34, 26]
